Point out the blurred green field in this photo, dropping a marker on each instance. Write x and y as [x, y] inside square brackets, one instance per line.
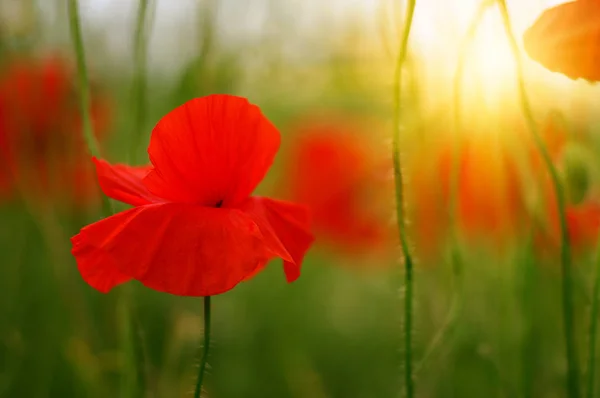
[488, 317]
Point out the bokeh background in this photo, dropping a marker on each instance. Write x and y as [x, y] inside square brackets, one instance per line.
[488, 316]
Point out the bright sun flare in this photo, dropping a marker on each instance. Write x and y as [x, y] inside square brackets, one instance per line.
[489, 75]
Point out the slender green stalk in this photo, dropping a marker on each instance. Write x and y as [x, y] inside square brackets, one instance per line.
[456, 303]
[383, 29]
[408, 262]
[440, 336]
[140, 45]
[573, 380]
[128, 384]
[591, 371]
[530, 345]
[131, 385]
[84, 89]
[457, 100]
[204, 359]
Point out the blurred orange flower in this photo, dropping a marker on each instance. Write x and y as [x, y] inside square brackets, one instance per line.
[565, 39]
[492, 203]
[41, 146]
[488, 203]
[338, 169]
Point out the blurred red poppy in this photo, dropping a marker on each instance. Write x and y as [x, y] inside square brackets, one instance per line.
[335, 169]
[42, 152]
[566, 39]
[488, 203]
[583, 225]
[195, 230]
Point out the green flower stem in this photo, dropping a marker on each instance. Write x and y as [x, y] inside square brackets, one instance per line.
[591, 371]
[456, 303]
[408, 262]
[573, 386]
[84, 90]
[140, 45]
[131, 386]
[204, 358]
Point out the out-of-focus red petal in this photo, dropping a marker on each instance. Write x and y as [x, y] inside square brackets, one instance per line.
[286, 228]
[124, 183]
[583, 223]
[181, 249]
[211, 151]
[332, 169]
[565, 39]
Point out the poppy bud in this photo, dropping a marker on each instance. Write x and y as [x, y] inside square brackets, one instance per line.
[576, 172]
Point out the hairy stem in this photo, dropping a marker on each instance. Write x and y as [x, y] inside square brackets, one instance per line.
[204, 358]
[573, 386]
[408, 262]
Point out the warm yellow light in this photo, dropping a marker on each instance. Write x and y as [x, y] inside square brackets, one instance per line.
[490, 64]
[489, 79]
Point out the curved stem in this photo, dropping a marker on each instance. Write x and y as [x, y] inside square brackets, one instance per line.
[442, 332]
[84, 89]
[382, 22]
[456, 303]
[565, 247]
[140, 45]
[591, 371]
[457, 100]
[408, 263]
[206, 347]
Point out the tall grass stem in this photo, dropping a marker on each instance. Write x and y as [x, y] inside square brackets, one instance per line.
[573, 386]
[399, 191]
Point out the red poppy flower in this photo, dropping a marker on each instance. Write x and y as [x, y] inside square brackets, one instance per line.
[40, 131]
[336, 171]
[565, 39]
[195, 230]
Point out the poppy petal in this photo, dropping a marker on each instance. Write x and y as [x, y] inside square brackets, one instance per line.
[211, 151]
[286, 228]
[181, 249]
[97, 268]
[124, 183]
[565, 39]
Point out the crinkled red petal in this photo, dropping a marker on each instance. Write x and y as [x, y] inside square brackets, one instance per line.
[211, 151]
[286, 229]
[124, 183]
[181, 249]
